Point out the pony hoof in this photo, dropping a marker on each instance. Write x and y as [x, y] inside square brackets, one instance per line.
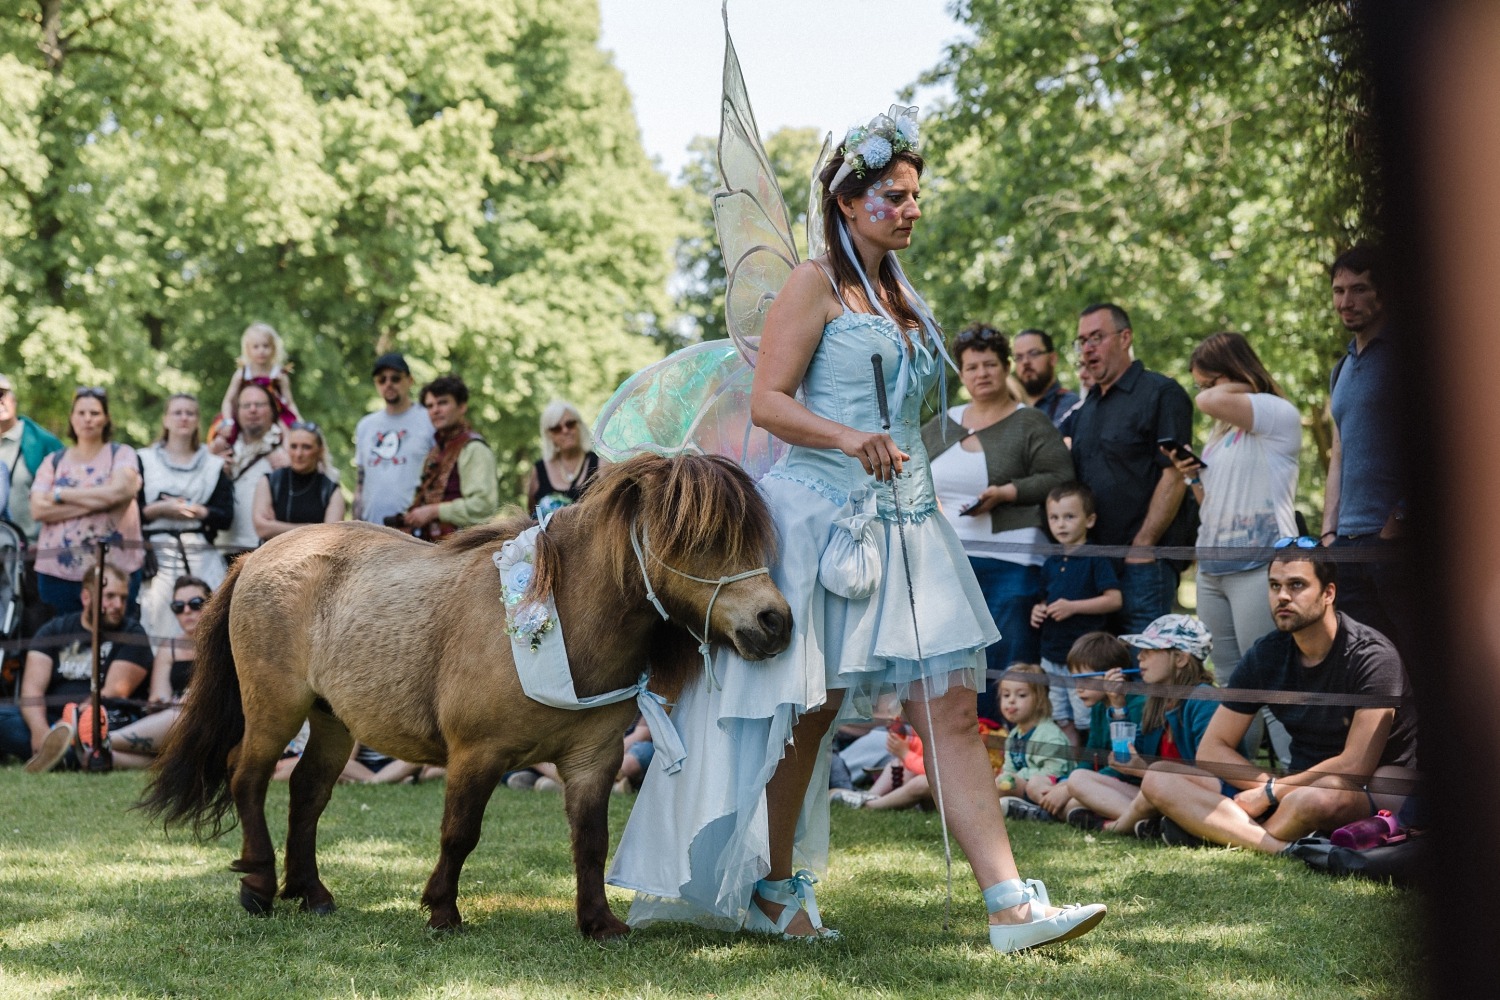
[611, 929]
[322, 909]
[448, 924]
[255, 904]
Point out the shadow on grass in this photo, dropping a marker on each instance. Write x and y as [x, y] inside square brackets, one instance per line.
[1182, 924]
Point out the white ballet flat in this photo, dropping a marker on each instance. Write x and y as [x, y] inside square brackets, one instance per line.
[1068, 922]
[792, 894]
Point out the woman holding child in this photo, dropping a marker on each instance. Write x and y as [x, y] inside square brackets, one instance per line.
[725, 840]
[993, 463]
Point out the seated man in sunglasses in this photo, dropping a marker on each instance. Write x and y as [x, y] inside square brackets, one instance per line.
[458, 486]
[1348, 760]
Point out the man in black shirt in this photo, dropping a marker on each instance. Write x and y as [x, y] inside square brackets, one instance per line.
[1115, 450]
[1336, 749]
[60, 663]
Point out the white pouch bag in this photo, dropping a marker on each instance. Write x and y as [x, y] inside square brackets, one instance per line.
[852, 562]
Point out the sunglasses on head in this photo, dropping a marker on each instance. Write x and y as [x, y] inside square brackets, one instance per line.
[986, 335]
[567, 425]
[92, 391]
[191, 604]
[1301, 541]
[306, 425]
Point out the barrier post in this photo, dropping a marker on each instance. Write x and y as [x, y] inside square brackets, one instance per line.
[100, 759]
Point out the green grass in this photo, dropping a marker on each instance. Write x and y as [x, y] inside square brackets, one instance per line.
[94, 902]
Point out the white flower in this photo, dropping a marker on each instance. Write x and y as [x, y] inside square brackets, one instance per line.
[907, 129]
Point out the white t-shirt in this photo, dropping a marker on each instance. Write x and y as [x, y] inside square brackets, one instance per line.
[958, 477]
[1250, 483]
[389, 451]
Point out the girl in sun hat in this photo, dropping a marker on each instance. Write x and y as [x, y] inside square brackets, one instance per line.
[1172, 651]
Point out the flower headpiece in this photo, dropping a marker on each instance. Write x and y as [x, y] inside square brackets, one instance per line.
[871, 146]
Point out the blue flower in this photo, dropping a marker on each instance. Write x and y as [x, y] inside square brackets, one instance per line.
[875, 151]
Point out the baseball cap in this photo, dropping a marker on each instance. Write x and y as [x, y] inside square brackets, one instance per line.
[1182, 632]
[392, 360]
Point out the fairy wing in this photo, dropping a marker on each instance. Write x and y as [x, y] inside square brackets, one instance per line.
[816, 246]
[750, 214]
[695, 401]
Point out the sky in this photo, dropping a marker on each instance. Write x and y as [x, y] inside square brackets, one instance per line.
[821, 63]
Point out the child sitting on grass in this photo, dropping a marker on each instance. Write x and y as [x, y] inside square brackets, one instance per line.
[1101, 654]
[1036, 751]
[1172, 651]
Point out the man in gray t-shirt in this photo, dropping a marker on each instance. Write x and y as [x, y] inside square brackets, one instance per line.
[390, 445]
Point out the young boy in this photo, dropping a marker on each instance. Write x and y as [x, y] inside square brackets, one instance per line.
[1095, 653]
[1077, 593]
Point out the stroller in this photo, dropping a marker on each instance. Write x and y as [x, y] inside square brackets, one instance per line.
[12, 605]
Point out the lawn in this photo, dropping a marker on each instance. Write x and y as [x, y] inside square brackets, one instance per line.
[94, 902]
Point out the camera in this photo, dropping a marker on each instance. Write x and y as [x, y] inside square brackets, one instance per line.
[395, 521]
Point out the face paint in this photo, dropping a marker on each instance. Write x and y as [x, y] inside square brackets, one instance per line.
[875, 202]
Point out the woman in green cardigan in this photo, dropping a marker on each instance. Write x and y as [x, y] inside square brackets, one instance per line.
[993, 463]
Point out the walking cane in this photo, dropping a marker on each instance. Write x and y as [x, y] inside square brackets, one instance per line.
[911, 600]
[99, 758]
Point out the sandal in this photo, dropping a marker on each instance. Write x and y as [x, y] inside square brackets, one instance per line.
[793, 894]
[1068, 922]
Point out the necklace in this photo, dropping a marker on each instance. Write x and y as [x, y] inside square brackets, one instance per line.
[571, 476]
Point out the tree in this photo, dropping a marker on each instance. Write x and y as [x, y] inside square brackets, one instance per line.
[462, 180]
[1198, 163]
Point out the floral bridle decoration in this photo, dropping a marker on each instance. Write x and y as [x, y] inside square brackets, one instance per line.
[870, 147]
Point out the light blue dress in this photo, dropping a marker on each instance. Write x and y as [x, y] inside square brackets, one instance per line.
[697, 841]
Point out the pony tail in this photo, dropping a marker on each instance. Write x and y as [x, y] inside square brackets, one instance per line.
[190, 778]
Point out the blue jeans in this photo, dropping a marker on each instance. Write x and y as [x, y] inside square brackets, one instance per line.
[15, 735]
[1010, 592]
[1149, 590]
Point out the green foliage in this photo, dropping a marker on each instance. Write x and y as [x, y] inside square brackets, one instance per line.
[462, 180]
[99, 903]
[1194, 161]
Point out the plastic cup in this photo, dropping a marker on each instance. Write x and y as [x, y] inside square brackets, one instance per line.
[1122, 739]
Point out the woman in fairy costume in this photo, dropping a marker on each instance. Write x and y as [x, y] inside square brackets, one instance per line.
[725, 841]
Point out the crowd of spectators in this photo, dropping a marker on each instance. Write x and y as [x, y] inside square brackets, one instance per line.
[176, 512]
[1069, 555]
[1060, 500]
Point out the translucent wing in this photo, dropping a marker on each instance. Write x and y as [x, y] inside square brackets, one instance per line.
[750, 214]
[815, 245]
[695, 401]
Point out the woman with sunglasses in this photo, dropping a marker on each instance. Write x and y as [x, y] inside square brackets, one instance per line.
[298, 494]
[135, 745]
[1246, 484]
[85, 493]
[185, 493]
[567, 464]
[993, 463]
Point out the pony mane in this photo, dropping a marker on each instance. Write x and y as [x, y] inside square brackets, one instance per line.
[687, 507]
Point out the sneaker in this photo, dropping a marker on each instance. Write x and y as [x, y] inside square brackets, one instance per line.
[521, 781]
[849, 797]
[1085, 818]
[1015, 807]
[55, 746]
[546, 784]
[1175, 836]
[1148, 829]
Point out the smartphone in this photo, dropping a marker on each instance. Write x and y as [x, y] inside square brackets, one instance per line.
[1180, 450]
[970, 510]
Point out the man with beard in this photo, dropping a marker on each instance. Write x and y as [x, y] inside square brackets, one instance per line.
[458, 486]
[389, 445]
[1336, 749]
[59, 666]
[256, 451]
[1115, 434]
[1036, 370]
[1364, 503]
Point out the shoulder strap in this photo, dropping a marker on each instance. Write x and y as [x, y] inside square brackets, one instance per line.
[832, 281]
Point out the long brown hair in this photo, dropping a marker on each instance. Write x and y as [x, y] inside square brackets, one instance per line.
[847, 272]
[1189, 671]
[1230, 354]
